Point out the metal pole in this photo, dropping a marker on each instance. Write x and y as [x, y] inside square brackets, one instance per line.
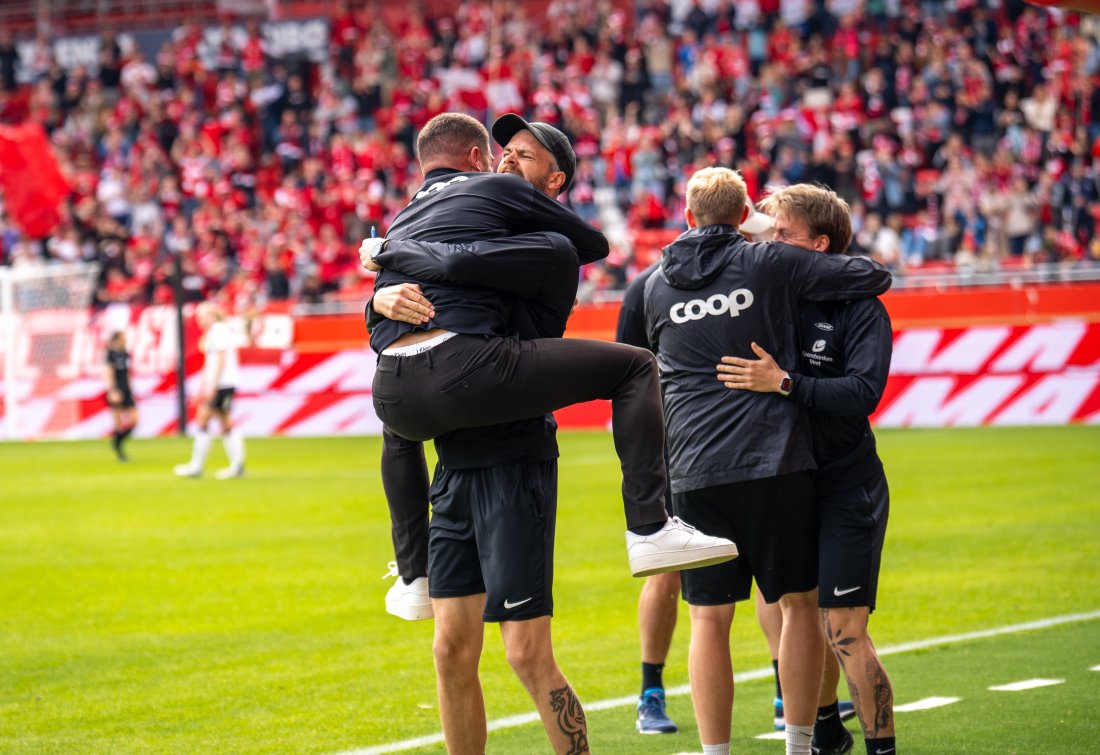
[181, 347]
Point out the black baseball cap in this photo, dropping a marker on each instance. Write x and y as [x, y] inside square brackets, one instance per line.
[510, 124]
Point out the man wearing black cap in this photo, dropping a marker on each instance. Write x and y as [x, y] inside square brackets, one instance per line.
[460, 371]
[494, 493]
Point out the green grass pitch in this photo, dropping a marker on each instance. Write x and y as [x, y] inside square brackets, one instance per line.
[140, 613]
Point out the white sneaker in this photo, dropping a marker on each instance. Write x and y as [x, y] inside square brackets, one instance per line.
[186, 470]
[409, 602]
[675, 547]
[229, 473]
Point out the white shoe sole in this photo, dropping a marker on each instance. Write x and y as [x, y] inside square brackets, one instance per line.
[411, 613]
[696, 558]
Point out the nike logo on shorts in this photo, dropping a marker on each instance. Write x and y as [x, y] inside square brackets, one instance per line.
[838, 592]
[509, 606]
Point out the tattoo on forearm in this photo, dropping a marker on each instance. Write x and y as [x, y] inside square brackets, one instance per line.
[571, 719]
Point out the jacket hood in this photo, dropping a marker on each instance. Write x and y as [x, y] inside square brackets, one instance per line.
[699, 255]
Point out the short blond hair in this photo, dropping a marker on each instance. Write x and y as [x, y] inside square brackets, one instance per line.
[717, 196]
[822, 211]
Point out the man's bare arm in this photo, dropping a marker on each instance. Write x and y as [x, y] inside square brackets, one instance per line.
[403, 302]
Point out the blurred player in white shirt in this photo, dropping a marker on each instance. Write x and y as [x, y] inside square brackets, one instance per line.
[220, 375]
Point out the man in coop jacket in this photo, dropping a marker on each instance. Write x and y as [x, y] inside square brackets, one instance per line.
[840, 375]
[740, 463]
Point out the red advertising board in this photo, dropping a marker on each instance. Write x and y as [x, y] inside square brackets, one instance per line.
[1007, 356]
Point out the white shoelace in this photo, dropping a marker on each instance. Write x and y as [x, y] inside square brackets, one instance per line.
[681, 523]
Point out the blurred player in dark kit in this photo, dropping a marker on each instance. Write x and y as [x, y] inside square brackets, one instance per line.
[120, 396]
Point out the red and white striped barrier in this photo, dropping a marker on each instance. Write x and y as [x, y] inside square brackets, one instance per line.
[1042, 374]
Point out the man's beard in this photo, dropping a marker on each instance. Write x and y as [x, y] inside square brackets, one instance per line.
[540, 182]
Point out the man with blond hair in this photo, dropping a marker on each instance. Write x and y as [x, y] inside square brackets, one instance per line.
[220, 374]
[842, 367]
[660, 595]
[741, 463]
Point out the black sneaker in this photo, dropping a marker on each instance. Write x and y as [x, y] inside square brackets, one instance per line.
[837, 748]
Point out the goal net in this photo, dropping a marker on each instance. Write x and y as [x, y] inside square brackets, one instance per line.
[44, 316]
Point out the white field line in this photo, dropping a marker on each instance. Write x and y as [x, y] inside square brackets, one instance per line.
[927, 703]
[761, 673]
[1025, 685]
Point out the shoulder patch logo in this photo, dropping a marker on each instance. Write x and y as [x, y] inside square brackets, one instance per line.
[823, 326]
[440, 186]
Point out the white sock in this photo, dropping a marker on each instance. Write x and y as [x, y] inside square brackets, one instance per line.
[233, 442]
[798, 739]
[200, 449]
[722, 749]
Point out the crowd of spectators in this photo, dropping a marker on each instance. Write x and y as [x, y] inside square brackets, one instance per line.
[962, 134]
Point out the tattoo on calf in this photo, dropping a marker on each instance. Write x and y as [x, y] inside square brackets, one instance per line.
[883, 695]
[838, 642]
[571, 719]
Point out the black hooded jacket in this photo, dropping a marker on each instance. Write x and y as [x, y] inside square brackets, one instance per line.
[714, 295]
[456, 207]
[528, 284]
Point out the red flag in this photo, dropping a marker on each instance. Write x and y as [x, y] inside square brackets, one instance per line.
[32, 184]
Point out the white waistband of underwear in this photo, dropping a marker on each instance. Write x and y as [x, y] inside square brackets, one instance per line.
[418, 348]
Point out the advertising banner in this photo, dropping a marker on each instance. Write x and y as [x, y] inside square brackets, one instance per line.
[312, 376]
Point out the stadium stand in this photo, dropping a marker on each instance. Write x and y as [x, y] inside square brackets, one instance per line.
[964, 135]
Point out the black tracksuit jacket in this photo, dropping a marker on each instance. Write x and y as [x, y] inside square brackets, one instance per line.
[714, 295]
[848, 345]
[455, 207]
[844, 360]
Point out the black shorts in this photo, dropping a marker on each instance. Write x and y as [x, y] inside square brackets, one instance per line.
[492, 532]
[853, 531]
[223, 400]
[125, 400]
[774, 523]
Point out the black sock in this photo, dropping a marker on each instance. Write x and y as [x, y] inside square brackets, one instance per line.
[778, 688]
[116, 439]
[651, 676]
[828, 729]
[126, 433]
[880, 746]
[647, 529]
[828, 711]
